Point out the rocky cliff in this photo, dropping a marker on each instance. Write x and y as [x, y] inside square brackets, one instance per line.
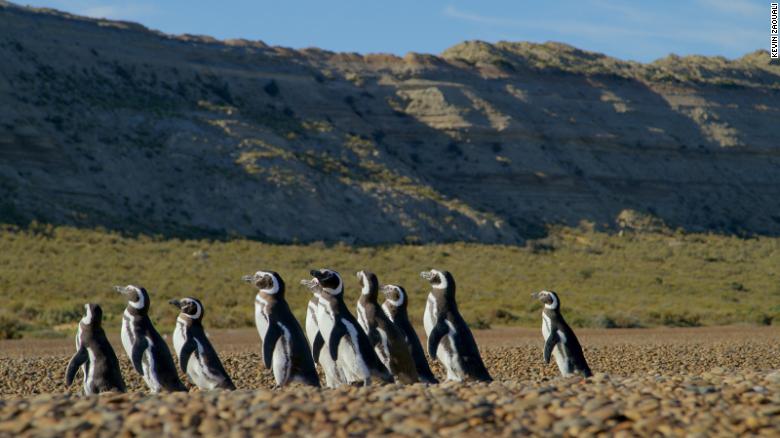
[106, 123]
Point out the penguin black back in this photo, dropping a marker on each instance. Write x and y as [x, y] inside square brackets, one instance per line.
[460, 355]
[388, 340]
[290, 360]
[95, 356]
[395, 307]
[146, 349]
[559, 339]
[329, 287]
[192, 345]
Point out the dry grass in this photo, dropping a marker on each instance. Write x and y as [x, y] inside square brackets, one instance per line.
[47, 273]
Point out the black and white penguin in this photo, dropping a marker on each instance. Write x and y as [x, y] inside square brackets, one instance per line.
[388, 341]
[146, 349]
[559, 338]
[395, 307]
[197, 357]
[285, 350]
[346, 343]
[449, 338]
[334, 377]
[94, 355]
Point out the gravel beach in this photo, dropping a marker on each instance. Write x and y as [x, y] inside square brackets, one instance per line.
[701, 381]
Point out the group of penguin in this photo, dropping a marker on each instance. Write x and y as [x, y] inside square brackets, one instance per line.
[380, 344]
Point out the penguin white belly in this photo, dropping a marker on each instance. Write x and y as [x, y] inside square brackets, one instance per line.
[361, 317]
[83, 367]
[350, 359]
[429, 317]
[196, 372]
[261, 318]
[383, 349]
[450, 361]
[334, 376]
[311, 323]
[89, 372]
[150, 374]
[199, 373]
[281, 362]
[325, 320]
[560, 360]
[127, 330]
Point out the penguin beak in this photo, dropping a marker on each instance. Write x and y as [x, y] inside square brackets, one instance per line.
[427, 275]
[386, 289]
[535, 295]
[120, 289]
[176, 303]
[248, 278]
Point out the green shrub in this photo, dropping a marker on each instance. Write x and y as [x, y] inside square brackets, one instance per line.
[10, 326]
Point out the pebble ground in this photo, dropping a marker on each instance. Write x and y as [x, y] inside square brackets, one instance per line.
[673, 382]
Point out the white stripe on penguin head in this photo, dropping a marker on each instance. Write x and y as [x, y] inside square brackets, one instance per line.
[337, 290]
[364, 281]
[442, 280]
[554, 304]
[141, 300]
[401, 298]
[198, 309]
[87, 319]
[273, 289]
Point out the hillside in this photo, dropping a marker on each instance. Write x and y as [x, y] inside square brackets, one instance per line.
[110, 124]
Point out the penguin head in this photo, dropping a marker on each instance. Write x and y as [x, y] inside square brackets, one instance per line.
[190, 307]
[441, 280]
[137, 297]
[394, 295]
[325, 280]
[369, 284]
[93, 315]
[268, 282]
[549, 298]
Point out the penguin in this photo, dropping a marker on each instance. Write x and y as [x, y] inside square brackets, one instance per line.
[388, 341]
[147, 351]
[395, 308]
[94, 355]
[334, 376]
[346, 343]
[559, 338]
[197, 357]
[285, 350]
[449, 338]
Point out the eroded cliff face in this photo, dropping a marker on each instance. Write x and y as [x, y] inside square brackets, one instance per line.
[108, 123]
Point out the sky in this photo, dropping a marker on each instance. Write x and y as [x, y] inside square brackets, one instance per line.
[631, 30]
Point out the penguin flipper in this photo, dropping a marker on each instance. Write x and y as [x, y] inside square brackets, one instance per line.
[335, 337]
[187, 349]
[140, 346]
[317, 345]
[76, 361]
[549, 344]
[434, 338]
[373, 337]
[269, 342]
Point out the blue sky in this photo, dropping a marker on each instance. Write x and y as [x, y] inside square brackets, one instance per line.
[636, 30]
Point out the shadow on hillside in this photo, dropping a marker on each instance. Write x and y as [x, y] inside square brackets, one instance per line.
[561, 149]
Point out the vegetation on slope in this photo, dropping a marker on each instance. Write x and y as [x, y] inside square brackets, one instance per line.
[604, 280]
